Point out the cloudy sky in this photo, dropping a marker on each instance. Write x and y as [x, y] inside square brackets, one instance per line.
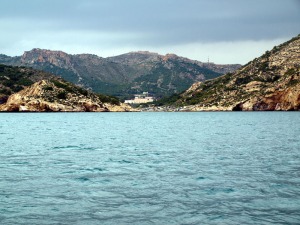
[226, 31]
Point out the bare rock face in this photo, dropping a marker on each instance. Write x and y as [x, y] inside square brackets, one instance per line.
[286, 100]
[57, 58]
[270, 82]
[46, 96]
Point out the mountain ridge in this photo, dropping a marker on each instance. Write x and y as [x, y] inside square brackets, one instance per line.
[122, 75]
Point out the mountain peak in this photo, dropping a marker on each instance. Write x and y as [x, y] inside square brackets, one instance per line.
[145, 52]
[45, 51]
[37, 55]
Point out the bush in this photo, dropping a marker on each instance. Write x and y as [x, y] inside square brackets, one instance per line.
[82, 91]
[59, 84]
[5, 91]
[62, 95]
[108, 99]
[293, 82]
[48, 88]
[17, 88]
[25, 82]
[290, 72]
[243, 80]
[8, 83]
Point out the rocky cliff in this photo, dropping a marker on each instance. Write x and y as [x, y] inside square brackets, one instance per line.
[123, 75]
[270, 82]
[23, 89]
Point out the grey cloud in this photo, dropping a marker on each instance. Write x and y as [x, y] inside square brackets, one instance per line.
[165, 20]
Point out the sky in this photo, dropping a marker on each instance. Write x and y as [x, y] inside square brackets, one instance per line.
[225, 31]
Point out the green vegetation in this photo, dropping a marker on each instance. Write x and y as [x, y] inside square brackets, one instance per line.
[48, 88]
[14, 79]
[243, 80]
[25, 82]
[108, 99]
[168, 100]
[62, 95]
[50, 68]
[293, 82]
[5, 91]
[68, 87]
[290, 72]
[164, 82]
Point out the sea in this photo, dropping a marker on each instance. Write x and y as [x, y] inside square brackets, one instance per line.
[150, 168]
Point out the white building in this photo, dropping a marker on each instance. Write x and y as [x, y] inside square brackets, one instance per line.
[141, 98]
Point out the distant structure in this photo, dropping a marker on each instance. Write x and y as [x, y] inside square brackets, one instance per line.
[209, 62]
[140, 98]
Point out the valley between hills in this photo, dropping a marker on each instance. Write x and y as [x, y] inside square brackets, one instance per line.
[44, 80]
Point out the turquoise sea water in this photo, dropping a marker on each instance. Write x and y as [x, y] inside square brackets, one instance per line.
[150, 168]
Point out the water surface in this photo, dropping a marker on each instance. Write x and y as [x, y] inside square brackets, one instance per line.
[150, 168]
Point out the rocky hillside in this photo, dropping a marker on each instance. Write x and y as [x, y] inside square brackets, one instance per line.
[270, 82]
[122, 75]
[24, 89]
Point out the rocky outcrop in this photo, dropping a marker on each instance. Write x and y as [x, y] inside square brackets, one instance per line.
[270, 82]
[57, 58]
[47, 96]
[285, 100]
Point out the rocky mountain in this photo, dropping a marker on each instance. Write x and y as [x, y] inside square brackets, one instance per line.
[25, 89]
[123, 75]
[270, 82]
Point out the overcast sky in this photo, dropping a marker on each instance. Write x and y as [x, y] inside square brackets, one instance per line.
[226, 31]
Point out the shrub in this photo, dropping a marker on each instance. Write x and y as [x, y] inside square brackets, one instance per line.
[17, 88]
[293, 82]
[290, 72]
[59, 84]
[62, 95]
[5, 91]
[48, 88]
[25, 82]
[243, 80]
[108, 99]
[82, 91]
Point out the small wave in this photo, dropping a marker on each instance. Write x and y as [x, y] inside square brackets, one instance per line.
[95, 169]
[73, 147]
[213, 191]
[83, 179]
[67, 147]
[125, 161]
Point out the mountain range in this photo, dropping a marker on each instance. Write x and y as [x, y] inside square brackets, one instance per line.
[123, 75]
[270, 82]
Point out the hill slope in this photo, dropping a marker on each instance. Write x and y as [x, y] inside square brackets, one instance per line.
[25, 89]
[122, 75]
[270, 82]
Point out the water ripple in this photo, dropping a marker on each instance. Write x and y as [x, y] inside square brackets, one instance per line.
[160, 168]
